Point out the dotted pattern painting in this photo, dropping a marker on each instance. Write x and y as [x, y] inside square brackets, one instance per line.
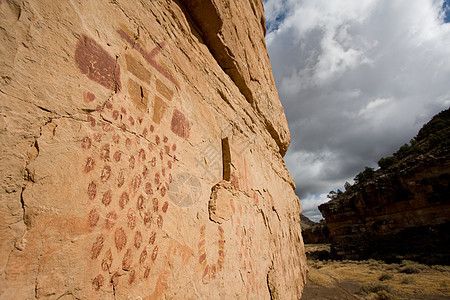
[211, 269]
[128, 160]
[243, 222]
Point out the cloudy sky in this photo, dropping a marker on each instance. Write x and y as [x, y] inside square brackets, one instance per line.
[357, 79]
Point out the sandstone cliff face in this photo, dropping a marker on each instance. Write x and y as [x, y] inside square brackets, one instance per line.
[403, 212]
[141, 154]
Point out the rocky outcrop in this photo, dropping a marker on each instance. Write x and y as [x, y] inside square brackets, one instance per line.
[314, 233]
[142, 146]
[402, 211]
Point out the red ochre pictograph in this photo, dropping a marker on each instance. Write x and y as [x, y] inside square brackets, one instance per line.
[209, 271]
[126, 197]
[243, 221]
[127, 163]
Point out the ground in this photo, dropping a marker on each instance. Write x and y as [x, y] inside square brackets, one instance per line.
[373, 279]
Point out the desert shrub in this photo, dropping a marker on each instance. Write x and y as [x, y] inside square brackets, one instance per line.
[407, 280]
[384, 295]
[386, 162]
[412, 269]
[373, 288]
[385, 276]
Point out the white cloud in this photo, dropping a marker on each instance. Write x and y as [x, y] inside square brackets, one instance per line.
[357, 80]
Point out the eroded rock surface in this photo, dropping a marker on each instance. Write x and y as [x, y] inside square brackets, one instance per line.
[403, 212]
[142, 154]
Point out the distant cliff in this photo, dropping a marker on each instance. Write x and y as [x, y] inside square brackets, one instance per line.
[314, 233]
[402, 210]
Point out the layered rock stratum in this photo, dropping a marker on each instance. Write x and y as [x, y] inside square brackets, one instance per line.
[142, 149]
[402, 211]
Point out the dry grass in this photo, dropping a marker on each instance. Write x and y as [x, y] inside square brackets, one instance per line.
[399, 281]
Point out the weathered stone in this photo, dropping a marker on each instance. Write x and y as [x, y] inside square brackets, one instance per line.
[116, 183]
[403, 212]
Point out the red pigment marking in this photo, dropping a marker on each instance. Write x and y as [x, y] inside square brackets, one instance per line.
[98, 282]
[206, 271]
[180, 124]
[160, 221]
[111, 219]
[131, 120]
[107, 197]
[152, 238]
[106, 173]
[157, 178]
[155, 253]
[146, 272]
[170, 178]
[152, 128]
[128, 143]
[97, 64]
[115, 115]
[90, 163]
[202, 258]
[124, 198]
[174, 147]
[136, 183]
[120, 239]
[155, 204]
[153, 162]
[104, 152]
[137, 239]
[221, 243]
[132, 277]
[169, 164]
[148, 188]
[145, 132]
[116, 139]
[107, 261]
[91, 120]
[86, 143]
[123, 110]
[123, 127]
[167, 149]
[92, 190]
[142, 155]
[165, 139]
[163, 172]
[99, 108]
[140, 202]
[157, 139]
[109, 105]
[201, 244]
[149, 56]
[131, 216]
[161, 155]
[107, 127]
[88, 97]
[132, 162]
[221, 253]
[145, 172]
[120, 179]
[220, 229]
[127, 260]
[202, 229]
[117, 156]
[93, 217]
[163, 191]
[98, 137]
[213, 271]
[140, 120]
[143, 256]
[97, 247]
[165, 207]
[147, 219]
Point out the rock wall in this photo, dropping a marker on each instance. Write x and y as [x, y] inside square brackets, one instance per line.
[403, 213]
[142, 146]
